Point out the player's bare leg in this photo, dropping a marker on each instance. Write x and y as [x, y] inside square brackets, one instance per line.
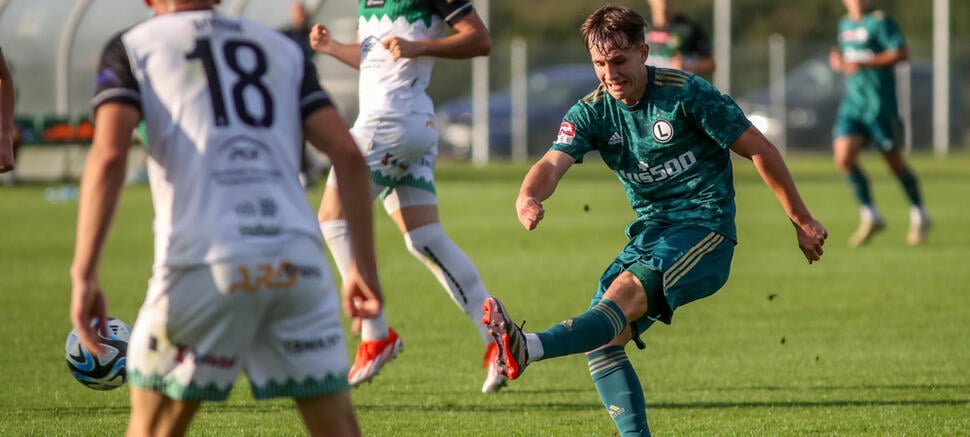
[329, 415]
[153, 413]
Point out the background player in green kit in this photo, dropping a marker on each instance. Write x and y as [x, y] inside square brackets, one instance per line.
[668, 135]
[870, 45]
[677, 41]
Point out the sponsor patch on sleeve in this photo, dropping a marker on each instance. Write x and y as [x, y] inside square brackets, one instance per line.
[567, 131]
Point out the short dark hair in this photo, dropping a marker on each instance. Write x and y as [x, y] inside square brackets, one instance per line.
[613, 27]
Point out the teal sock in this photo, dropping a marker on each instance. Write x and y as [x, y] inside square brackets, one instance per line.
[583, 333]
[860, 186]
[910, 186]
[620, 390]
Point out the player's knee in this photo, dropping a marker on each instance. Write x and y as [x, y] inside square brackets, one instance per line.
[629, 294]
[420, 240]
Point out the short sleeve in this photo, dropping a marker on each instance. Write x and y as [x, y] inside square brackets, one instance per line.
[890, 36]
[115, 81]
[715, 113]
[452, 10]
[576, 136]
[312, 95]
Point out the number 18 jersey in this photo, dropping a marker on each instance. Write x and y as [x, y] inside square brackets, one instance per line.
[223, 100]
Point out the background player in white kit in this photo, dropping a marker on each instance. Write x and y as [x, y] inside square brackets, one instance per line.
[240, 280]
[397, 42]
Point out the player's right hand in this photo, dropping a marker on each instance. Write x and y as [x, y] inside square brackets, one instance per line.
[320, 38]
[835, 60]
[88, 303]
[811, 237]
[530, 212]
[362, 297]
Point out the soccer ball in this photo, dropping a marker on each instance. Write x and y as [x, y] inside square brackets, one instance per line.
[106, 372]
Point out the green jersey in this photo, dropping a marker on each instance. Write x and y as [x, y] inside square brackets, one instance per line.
[871, 92]
[670, 150]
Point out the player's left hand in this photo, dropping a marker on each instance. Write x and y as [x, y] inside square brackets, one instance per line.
[402, 48]
[811, 238]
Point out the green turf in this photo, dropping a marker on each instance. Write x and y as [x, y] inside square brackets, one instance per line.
[871, 341]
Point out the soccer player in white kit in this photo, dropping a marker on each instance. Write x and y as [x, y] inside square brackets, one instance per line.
[240, 280]
[397, 43]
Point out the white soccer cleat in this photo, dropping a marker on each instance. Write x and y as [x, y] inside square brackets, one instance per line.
[867, 228]
[918, 232]
[919, 226]
[494, 379]
[372, 355]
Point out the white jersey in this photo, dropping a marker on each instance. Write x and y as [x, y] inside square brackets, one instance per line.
[223, 104]
[389, 86]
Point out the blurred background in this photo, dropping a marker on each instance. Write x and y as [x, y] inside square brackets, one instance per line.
[771, 57]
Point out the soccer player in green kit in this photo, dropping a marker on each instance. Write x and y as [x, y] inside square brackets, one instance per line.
[676, 41]
[668, 136]
[870, 45]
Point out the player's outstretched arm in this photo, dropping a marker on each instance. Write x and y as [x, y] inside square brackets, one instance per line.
[101, 184]
[538, 185]
[328, 132]
[469, 39]
[771, 166]
[322, 41]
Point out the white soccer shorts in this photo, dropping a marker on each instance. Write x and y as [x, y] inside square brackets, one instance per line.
[276, 318]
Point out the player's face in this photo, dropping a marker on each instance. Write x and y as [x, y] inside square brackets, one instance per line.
[622, 72]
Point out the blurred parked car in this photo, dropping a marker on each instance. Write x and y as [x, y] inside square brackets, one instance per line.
[551, 92]
[813, 93]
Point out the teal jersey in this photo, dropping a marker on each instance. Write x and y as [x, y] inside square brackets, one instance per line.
[670, 150]
[871, 92]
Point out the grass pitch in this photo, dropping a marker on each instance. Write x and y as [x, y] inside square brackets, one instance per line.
[870, 341]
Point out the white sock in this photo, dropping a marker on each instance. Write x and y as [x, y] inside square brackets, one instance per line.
[869, 213]
[338, 242]
[534, 346]
[374, 329]
[918, 215]
[453, 269]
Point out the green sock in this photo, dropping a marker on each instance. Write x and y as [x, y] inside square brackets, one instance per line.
[910, 186]
[585, 332]
[860, 186]
[620, 390]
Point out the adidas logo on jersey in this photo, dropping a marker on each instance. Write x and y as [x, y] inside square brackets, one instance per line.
[616, 411]
[615, 139]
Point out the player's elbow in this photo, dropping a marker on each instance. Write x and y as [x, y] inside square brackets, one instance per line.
[483, 47]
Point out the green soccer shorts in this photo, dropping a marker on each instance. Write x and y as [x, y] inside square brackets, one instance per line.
[885, 133]
[693, 262]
